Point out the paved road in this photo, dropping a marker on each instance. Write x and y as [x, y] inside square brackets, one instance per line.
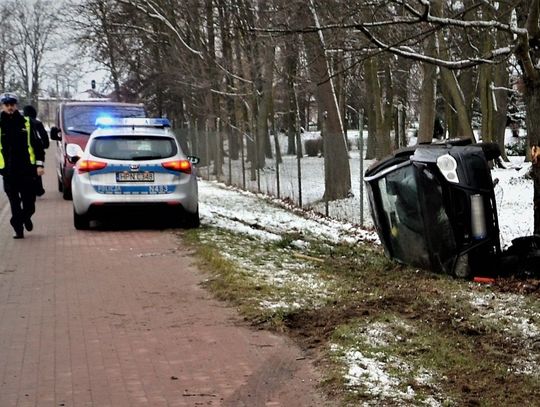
[117, 318]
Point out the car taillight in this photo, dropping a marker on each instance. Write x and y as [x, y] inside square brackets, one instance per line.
[89, 165]
[179, 165]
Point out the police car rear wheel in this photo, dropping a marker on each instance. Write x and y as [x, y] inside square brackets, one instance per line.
[66, 194]
[192, 220]
[81, 222]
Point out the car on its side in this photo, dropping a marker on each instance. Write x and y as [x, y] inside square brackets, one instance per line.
[133, 166]
[434, 206]
[75, 121]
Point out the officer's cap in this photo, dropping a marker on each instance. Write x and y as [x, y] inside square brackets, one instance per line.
[8, 98]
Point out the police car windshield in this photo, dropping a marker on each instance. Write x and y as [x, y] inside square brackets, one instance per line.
[133, 148]
[81, 119]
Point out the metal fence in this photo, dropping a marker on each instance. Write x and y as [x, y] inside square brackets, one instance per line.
[298, 179]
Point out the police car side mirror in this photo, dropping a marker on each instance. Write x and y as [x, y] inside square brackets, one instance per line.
[56, 134]
[73, 152]
[193, 160]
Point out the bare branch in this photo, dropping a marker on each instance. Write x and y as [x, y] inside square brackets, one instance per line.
[408, 52]
[154, 13]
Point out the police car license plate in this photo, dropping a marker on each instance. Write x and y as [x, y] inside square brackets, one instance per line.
[126, 176]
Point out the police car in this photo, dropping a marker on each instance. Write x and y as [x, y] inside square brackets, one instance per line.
[133, 167]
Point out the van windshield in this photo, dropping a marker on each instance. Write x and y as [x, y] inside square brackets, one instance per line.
[81, 119]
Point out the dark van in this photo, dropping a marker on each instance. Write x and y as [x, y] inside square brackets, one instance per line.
[75, 121]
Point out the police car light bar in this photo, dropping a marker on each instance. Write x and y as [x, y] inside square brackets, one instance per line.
[107, 121]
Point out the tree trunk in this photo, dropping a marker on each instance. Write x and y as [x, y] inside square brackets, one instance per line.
[265, 102]
[337, 174]
[501, 80]
[532, 104]
[382, 144]
[486, 93]
[291, 60]
[227, 61]
[500, 77]
[486, 103]
[371, 145]
[452, 84]
[388, 113]
[428, 97]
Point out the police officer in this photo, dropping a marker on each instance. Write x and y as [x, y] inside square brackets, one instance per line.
[31, 112]
[21, 161]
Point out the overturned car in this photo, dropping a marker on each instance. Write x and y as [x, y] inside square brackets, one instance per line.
[434, 207]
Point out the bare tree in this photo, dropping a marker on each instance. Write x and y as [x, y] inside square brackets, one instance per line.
[5, 16]
[33, 26]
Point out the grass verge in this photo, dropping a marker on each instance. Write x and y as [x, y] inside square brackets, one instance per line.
[382, 334]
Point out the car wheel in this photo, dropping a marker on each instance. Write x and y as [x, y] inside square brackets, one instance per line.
[66, 193]
[81, 222]
[192, 220]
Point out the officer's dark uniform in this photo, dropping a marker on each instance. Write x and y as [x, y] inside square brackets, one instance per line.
[37, 125]
[21, 152]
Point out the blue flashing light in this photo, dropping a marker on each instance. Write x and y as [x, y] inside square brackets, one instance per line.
[106, 121]
[161, 121]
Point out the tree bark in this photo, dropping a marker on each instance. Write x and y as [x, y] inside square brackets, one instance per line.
[451, 82]
[337, 174]
[428, 97]
[291, 61]
[382, 136]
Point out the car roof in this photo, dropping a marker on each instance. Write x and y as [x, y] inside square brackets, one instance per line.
[133, 131]
[100, 103]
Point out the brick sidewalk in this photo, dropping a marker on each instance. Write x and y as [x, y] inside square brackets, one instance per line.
[117, 318]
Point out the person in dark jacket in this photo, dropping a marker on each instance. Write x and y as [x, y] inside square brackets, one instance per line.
[31, 112]
[21, 160]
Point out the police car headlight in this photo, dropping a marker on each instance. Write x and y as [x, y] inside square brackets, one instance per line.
[448, 166]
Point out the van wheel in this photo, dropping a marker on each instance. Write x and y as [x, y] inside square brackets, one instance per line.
[81, 222]
[192, 220]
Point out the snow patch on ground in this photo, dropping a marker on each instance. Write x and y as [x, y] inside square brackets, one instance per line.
[259, 216]
[518, 320]
[510, 310]
[383, 333]
[289, 276]
[372, 374]
[373, 370]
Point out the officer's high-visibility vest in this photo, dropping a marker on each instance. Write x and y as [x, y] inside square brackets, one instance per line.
[30, 148]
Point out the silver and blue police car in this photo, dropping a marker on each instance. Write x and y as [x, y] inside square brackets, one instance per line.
[133, 164]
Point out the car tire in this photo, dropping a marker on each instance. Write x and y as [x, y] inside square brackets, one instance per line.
[66, 193]
[81, 222]
[192, 220]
